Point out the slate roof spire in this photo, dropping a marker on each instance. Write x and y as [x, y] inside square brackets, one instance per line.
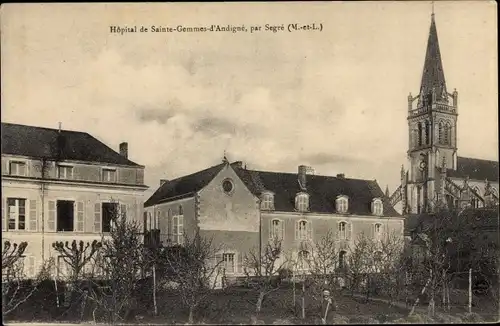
[433, 73]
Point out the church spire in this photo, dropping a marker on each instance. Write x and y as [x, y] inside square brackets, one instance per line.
[433, 84]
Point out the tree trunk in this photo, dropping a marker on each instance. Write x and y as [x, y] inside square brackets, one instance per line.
[191, 315]
[418, 298]
[259, 302]
[431, 301]
[367, 287]
[154, 291]
[304, 299]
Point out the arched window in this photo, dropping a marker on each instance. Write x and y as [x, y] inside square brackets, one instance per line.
[342, 259]
[303, 230]
[420, 134]
[343, 230]
[377, 207]
[277, 229]
[302, 202]
[440, 132]
[447, 134]
[377, 230]
[267, 201]
[427, 132]
[303, 260]
[342, 204]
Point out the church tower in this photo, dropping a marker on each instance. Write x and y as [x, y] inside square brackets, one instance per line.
[432, 122]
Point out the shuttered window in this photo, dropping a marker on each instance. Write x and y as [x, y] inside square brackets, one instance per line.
[33, 220]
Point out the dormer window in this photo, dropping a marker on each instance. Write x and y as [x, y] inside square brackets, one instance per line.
[302, 202]
[17, 168]
[267, 201]
[377, 207]
[108, 175]
[342, 204]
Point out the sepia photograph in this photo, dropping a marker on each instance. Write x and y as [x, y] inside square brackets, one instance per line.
[250, 163]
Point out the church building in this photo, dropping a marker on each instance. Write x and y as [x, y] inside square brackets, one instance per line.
[436, 174]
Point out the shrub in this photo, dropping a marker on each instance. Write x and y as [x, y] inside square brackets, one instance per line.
[471, 318]
[338, 319]
[447, 318]
[363, 320]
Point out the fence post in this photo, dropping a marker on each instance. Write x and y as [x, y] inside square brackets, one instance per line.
[470, 290]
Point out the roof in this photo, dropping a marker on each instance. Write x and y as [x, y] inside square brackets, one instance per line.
[433, 74]
[474, 168]
[484, 218]
[184, 185]
[39, 142]
[322, 190]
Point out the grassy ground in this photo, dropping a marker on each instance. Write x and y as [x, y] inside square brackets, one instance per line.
[237, 306]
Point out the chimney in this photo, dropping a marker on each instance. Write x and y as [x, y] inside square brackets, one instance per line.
[163, 181]
[60, 125]
[341, 176]
[124, 150]
[302, 176]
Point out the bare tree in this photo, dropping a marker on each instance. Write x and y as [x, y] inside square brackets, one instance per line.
[263, 269]
[77, 256]
[435, 234]
[389, 264]
[359, 262]
[17, 288]
[321, 265]
[194, 268]
[116, 268]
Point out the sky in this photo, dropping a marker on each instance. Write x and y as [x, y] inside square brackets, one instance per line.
[334, 99]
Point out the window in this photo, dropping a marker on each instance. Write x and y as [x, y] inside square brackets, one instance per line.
[427, 132]
[17, 168]
[16, 213]
[65, 215]
[447, 133]
[377, 207]
[419, 134]
[65, 172]
[277, 229]
[342, 259]
[63, 268]
[440, 132]
[303, 230]
[302, 202]
[227, 186]
[267, 202]
[228, 261]
[342, 230]
[377, 260]
[109, 213]
[377, 230]
[342, 204]
[178, 227]
[303, 260]
[108, 175]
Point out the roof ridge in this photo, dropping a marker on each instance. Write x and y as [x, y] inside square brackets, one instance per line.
[312, 175]
[46, 128]
[194, 173]
[477, 159]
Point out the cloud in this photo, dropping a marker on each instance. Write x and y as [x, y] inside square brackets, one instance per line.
[329, 159]
[158, 115]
